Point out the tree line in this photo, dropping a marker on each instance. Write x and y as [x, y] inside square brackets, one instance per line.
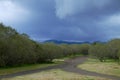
[18, 49]
[109, 50]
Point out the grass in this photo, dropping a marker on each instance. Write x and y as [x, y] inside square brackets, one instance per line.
[55, 74]
[109, 67]
[10, 70]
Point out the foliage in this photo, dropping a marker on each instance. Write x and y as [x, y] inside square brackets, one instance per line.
[110, 50]
[18, 49]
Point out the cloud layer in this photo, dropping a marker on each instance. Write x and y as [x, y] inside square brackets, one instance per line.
[66, 8]
[11, 12]
[80, 20]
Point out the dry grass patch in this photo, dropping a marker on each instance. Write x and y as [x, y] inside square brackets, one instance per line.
[108, 67]
[55, 75]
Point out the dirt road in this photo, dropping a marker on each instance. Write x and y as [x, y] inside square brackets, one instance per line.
[69, 65]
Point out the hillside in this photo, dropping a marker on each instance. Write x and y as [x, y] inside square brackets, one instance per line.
[65, 42]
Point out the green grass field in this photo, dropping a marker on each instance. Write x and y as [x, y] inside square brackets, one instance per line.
[109, 67]
[55, 74]
[10, 70]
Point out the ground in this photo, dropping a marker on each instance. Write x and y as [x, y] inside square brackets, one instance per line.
[11, 70]
[69, 68]
[55, 74]
[109, 67]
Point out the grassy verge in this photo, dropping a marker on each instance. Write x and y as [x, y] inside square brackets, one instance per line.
[55, 75]
[109, 67]
[10, 70]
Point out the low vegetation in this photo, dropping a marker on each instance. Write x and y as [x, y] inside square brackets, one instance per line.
[11, 70]
[109, 67]
[55, 75]
[106, 51]
[18, 49]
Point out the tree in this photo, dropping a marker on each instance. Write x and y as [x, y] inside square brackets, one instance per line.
[114, 48]
[99, 51]
[50, 51]
[84, 48]
[119, 56]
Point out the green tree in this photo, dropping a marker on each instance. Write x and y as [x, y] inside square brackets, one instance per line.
[99, 51]
[114, 48]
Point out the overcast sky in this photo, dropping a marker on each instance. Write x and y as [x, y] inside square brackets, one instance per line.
[74, 20]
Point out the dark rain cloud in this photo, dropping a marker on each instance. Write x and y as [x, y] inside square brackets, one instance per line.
[79, 20]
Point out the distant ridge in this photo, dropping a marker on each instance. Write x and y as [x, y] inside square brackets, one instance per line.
[65, 42]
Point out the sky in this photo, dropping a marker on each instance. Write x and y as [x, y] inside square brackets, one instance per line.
[72, 20]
